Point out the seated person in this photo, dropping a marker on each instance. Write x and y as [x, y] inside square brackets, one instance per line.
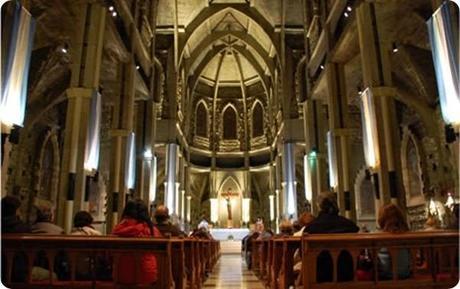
[44, 223]
[11, 223]
[329, 222]
[164, 225]
[392, 220]
[286, 228]
[135, 222]
[82, 227]
[304, 220]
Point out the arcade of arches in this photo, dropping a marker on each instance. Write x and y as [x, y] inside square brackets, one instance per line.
[228, 108]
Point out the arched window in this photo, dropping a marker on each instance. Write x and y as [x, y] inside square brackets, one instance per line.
[257, 120]
[201, 120]
[229, 123]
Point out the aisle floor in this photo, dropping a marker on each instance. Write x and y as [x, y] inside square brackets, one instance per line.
[231, 273]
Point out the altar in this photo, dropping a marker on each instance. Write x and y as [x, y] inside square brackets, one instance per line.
[229, 234]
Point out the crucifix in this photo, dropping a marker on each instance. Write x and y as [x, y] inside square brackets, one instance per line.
[227, 196]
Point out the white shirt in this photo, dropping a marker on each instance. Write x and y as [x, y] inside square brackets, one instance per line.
[203, 225]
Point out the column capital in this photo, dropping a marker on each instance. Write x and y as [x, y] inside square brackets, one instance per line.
[119, 132]
[383, 91]
[80, 92]
[344, 131]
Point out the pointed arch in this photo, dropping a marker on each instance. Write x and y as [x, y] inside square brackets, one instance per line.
[257, 119]
[231, 179]
[229, 122]
[201, 119]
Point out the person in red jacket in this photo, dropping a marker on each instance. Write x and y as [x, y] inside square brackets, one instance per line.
[135, 222]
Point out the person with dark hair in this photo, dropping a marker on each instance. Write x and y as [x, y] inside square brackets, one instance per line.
[135, 222]
[11, 223]
[328, 221]
[44, 223]
[164, 225]
[82, 227]
[392, 220]
[82, 224]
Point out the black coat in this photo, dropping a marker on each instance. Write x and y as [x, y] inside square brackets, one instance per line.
[13, 224]
[332, 224]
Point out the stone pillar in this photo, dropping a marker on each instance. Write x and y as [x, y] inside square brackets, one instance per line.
[375, 49]
[289, 181]
[86, 52]
[123, 125]
[170, 185]
[315, 140]
[338, 123]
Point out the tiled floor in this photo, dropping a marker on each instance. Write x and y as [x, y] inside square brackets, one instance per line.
[231, 273]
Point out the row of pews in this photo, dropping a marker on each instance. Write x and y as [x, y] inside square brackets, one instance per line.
[182, 263]
[434, 259]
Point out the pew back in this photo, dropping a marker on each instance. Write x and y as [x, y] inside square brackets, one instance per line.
[170, 255]
[433, 259]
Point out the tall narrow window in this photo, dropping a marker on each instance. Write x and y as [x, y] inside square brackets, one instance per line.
[201, 120]
[229, 123]
[257, 120]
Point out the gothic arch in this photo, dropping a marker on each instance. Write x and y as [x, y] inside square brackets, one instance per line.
[229, 114]
[257, 119]
[202, 119]
[230, 179]
[411, 169]
[48, 168]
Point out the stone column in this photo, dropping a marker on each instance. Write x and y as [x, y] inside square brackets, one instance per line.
[122, 127]
[315, 140]
[375, 49]
[170, 186]
[86, 52]
[289, 181]
[338, 123]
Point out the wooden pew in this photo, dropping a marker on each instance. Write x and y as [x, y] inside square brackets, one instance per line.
[276, 262]
[440, 249]
[170, 255]
[285, 248]
[178, 263]
[191, 255]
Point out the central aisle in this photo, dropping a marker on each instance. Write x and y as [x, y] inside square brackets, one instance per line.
[230, 273]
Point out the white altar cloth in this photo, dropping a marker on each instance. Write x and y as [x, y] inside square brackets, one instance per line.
[226, 234]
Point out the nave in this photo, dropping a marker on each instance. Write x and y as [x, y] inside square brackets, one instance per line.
[231, 272]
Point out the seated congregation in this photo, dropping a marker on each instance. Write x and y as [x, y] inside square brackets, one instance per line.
[138, 253]
[318, 252]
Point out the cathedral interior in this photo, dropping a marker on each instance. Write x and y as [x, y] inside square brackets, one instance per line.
[244, 118]
[231, 109]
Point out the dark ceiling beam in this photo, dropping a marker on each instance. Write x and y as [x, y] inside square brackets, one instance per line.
[245, 9]
[243, 36]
